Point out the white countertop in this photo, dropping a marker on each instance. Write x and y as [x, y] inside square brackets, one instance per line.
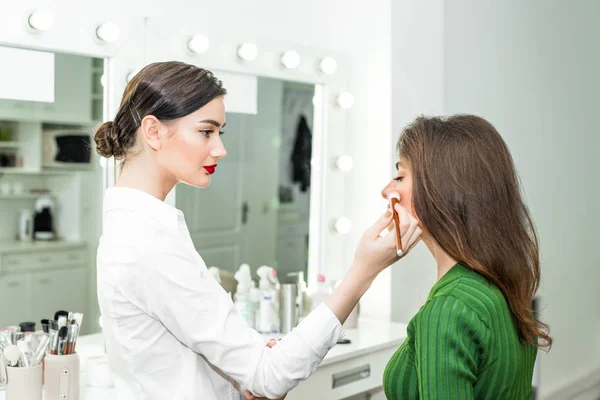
[16, 246]
[369, 336]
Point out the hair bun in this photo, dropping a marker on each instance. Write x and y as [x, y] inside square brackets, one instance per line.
[107, 141]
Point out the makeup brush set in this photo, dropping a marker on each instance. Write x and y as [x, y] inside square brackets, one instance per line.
[23, 350]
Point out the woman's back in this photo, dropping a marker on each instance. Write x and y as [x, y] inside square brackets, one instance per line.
[462, 344]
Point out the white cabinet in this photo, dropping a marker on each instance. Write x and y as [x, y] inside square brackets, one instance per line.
[14, 307]
[347, 378]
[73, 97]
[36, 284]
[58, 290]
[16, 109]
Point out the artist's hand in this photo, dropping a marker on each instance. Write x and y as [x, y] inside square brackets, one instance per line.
[375, 253]
[250, 396]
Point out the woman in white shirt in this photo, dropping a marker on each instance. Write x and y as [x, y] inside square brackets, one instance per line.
[171, 331]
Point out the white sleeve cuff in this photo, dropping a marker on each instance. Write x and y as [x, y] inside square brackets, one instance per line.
[321, 330]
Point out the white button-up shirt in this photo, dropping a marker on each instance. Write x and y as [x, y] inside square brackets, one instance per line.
[171, 331]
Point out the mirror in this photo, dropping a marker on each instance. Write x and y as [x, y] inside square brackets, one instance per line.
[257, 207]
[50, 183]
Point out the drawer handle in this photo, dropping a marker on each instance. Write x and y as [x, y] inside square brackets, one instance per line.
[13, 262]
[45, 281]
[14, 284]
[73, 256]
[350, 376]
[44, 259]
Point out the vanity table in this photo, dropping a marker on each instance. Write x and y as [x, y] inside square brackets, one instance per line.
[347, 370]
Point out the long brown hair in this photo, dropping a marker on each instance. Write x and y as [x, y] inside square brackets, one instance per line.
[466, 193]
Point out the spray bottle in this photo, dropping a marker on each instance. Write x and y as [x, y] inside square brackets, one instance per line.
[242, 299]
[321, 293]
[268, 313]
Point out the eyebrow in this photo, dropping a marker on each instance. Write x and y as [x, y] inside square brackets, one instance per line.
[212, 122]
[399, 164]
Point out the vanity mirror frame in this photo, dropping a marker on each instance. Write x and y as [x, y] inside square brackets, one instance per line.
[143, 40]
[328, 183]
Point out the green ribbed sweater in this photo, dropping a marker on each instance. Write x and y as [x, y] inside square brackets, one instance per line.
[462, 344]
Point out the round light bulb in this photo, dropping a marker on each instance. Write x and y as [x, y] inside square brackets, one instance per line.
[316, 101]
[108, 32]
[290, 59]
[328, 65]
[132, 74]
[41, 20]
[199, 44]
[345, 100]
[103, 80]
[100, 322]
[342, 225]
[344, 163]
[247, 51]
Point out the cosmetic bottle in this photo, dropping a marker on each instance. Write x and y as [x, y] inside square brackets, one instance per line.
[242, 299]
[268, 321]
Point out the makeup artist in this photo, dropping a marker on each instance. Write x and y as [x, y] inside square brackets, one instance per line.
[171, 331]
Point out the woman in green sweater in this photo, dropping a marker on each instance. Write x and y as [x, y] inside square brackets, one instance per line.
[476, 336]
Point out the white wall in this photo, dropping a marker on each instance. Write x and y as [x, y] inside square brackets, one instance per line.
[418, 88]
[531, 69]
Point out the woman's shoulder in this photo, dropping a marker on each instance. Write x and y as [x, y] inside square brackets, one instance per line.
[476, 293]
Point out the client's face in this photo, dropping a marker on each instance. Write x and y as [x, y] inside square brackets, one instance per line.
[401, 183]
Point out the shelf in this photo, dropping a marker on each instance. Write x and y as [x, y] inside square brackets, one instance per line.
[29, 171]
[39, 245]
[24, 196]
[9, 145]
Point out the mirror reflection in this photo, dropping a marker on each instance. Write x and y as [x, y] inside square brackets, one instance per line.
[50, 184]
[256, 209]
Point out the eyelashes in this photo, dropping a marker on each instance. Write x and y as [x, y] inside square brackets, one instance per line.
[208, 132]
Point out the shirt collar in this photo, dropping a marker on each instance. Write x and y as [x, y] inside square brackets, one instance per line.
[141, 202]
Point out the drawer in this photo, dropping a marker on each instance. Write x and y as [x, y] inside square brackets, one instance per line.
[345, 378]
[42, 260]
[73, 257]
[15, 262]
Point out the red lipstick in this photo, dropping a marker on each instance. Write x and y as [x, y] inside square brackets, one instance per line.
[210, 168]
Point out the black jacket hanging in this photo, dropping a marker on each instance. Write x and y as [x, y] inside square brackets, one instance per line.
[301, 155]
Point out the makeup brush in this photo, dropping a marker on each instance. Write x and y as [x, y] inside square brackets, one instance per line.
[44, 324]
[11, 355]
[60, 313]
[394, 199]
[25, 353]
[39, 352]
[62, 340]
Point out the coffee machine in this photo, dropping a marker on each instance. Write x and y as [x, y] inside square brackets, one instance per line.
[43, 224]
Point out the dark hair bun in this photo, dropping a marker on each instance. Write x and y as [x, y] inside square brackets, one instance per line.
[107, 141]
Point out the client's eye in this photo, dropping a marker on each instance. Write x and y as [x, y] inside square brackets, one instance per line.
[399, 178]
